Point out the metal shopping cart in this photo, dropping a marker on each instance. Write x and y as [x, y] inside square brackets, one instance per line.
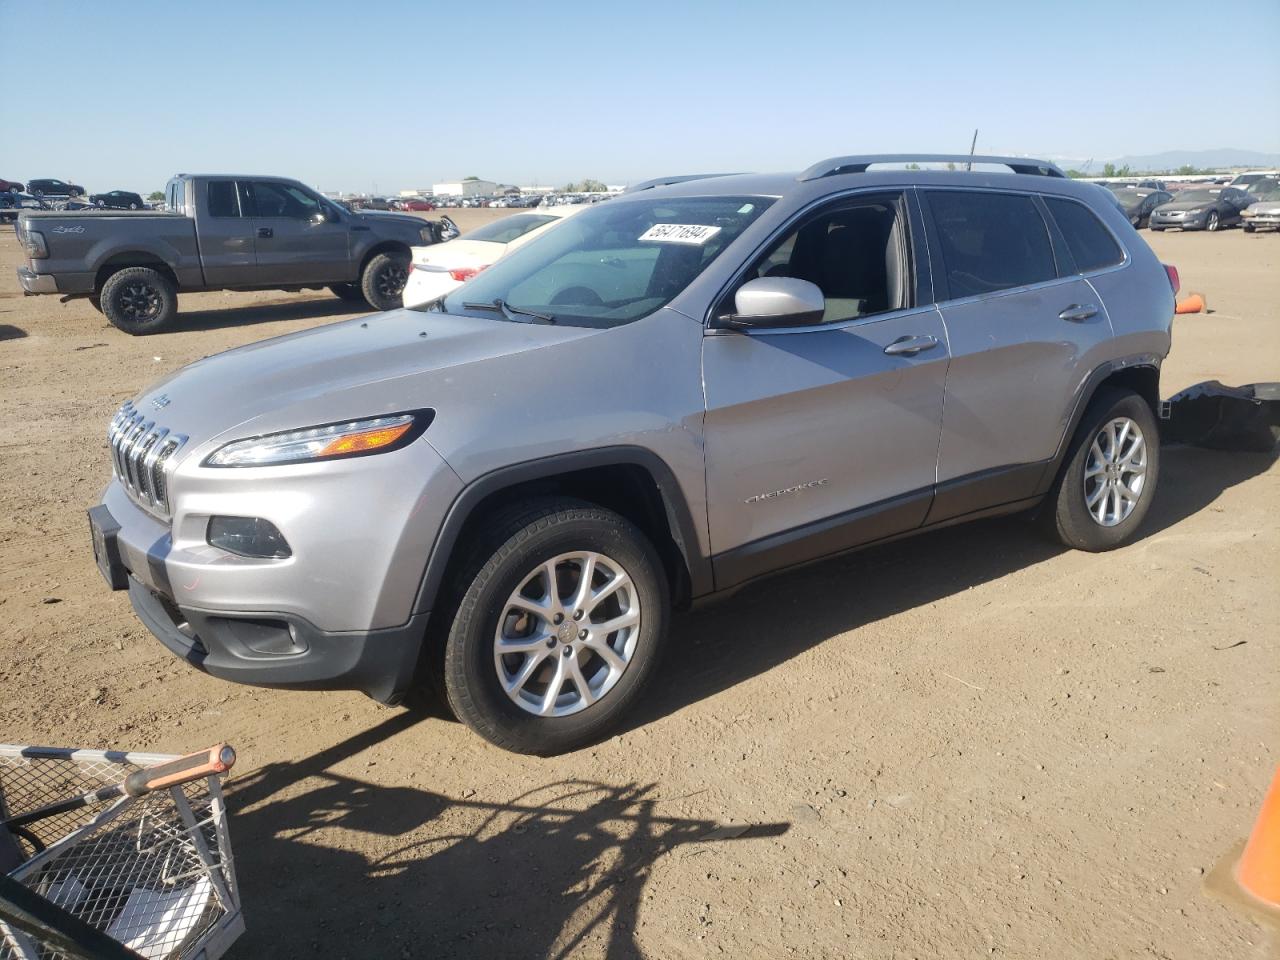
[110, 854]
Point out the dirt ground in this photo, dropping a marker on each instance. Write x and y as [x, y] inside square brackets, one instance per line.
[968, 744]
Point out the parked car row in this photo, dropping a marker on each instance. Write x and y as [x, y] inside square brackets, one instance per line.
[42, 188]
[1195, 208]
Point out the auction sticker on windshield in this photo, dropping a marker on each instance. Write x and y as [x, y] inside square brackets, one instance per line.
[696, 233]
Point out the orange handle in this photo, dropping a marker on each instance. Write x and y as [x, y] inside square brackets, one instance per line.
[207, 763]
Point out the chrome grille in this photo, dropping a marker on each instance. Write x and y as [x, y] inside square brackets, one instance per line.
[140, 451]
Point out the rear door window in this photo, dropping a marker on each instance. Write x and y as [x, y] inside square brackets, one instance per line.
[1090, 243]
[990, 241]
[223, 200]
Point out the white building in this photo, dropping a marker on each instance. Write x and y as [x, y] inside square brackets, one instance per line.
[465, 188]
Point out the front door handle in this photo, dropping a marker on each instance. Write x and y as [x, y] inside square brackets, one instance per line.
[910, 346]
[265, 233]
[1079, 312]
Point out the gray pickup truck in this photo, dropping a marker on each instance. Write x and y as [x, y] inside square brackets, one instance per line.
[220, 232]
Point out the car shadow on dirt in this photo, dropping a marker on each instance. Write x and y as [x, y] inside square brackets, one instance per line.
[538, 874]
[266, 313]
[772, 620]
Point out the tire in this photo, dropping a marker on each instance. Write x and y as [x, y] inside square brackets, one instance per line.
[133, 206]
[347, 291]
[139, 300]
[1136, 221]
[1158, 229]
[1212, 221]
[1248, 228]
[382, 282]
[1069, 515]
[512, 557]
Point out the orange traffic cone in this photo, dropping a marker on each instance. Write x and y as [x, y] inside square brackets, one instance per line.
[1193, 304]
[1259, 868]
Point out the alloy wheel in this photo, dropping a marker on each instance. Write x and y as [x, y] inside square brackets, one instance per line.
[139, 301]
[567, 634]
[1115, 472]
[391, 281]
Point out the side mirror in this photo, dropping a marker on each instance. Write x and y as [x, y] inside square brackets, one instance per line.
[777, 302]
[321, 216]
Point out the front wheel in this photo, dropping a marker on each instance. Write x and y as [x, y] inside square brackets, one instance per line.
[1105, 488]
[1248, 228]
[558, 630]
[1211, 224]
[139, 300]
[383, 280]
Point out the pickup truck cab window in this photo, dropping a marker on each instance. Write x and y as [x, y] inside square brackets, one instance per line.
[223, 199]
[283, 200]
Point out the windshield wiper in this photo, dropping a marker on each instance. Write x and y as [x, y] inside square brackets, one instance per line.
[509, 311]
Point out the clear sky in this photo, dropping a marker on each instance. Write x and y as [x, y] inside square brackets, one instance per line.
[391, 95]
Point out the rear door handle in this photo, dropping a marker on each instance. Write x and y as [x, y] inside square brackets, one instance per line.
[265, 233]
[910, 346]
[1079, 312]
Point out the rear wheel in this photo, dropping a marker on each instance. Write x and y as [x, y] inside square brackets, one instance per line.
[1105, 488]
[347, 291]
[383, 280]
[561, 619]
[139, 300]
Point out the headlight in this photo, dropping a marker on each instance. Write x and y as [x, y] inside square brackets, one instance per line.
[1196, 212]
[333, 441]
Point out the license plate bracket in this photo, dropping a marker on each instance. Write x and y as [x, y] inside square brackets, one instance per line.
[103, 530]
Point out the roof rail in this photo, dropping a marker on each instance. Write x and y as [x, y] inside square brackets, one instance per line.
[667, 181]
[859, 164]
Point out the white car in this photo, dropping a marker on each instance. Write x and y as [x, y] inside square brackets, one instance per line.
[443, 267]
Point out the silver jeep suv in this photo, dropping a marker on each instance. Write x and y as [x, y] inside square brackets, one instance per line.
[500, 497]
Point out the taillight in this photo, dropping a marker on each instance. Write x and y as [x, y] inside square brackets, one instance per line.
[463, 274]
[1174, 281]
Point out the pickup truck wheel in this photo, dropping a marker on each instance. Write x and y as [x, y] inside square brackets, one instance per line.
[347, 291]
[382, 282]
[139, 300]
[562, 616]
[1105, 488]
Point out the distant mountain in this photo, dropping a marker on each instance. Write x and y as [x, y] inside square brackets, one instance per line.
[1222, 157]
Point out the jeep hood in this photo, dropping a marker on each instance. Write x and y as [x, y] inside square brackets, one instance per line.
[384, 363]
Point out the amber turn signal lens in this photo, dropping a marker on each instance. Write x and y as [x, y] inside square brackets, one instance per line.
[364, 441]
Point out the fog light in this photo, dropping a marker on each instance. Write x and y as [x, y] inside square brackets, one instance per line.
[248, 537]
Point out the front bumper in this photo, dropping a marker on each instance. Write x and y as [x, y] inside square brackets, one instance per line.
[1184, 223]
[284, 650]
[35, 283]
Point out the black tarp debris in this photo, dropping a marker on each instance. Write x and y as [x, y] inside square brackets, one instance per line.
[1211, 414]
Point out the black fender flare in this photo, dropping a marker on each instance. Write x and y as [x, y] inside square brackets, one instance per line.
[679, 517]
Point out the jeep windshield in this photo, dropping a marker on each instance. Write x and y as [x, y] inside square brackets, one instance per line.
[609, 265]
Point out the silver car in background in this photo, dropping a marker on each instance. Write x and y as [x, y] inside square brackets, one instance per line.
[666, 397]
